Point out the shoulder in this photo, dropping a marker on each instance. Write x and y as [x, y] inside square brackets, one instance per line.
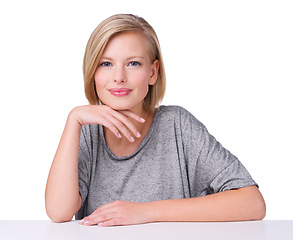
[172, 111]
[179, 115]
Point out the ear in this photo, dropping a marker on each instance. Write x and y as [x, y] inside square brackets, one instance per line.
[154, 72]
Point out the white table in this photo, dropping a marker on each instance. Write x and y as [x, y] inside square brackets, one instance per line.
[42, 230]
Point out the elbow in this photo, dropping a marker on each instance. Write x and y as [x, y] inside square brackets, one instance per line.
[61, 212]
[59, 217]
[254, 207]
[259, 209]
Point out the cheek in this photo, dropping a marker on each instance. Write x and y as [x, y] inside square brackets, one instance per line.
[142, 87]
[100, 80]
[142, 78]
[142, 81]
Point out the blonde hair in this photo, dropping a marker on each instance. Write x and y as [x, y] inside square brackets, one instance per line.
[97, 43]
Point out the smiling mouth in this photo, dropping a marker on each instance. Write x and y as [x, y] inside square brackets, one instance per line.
[120, 92]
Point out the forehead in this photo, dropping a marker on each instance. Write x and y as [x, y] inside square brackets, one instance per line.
[125, 44]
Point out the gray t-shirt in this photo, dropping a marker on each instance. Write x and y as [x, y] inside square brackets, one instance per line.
[178, 158]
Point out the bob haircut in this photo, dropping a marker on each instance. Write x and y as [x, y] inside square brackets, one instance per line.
[97, 43]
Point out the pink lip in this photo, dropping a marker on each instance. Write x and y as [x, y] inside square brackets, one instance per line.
[120, 92]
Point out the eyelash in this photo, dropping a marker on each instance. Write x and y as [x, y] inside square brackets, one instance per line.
[136, 63]
[107, 64]
[103, 64]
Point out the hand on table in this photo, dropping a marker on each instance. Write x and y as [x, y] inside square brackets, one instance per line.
[117, 213]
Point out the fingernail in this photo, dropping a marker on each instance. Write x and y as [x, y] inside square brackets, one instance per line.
[100, 224]
[119, 135]
[138, 135]
[81, 221]
[86, 222]
[142, 120]
[131, 139]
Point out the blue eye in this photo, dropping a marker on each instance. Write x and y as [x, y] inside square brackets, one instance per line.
[134, 64]
[105, 64]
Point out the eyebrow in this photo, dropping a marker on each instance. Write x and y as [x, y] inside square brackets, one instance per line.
[111, 59]
[135, 57]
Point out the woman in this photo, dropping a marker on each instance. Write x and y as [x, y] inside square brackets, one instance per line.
[124, 159]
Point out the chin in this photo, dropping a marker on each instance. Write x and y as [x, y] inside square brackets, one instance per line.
[126, 106]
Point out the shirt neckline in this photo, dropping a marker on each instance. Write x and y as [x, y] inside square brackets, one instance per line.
[141, 146]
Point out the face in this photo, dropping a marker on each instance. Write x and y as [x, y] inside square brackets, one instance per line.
[125, 72]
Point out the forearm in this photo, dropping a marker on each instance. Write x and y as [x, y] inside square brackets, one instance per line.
[234, 205]
[62, 191]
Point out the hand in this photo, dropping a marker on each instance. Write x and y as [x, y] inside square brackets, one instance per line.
[117, 121]
[118, 213]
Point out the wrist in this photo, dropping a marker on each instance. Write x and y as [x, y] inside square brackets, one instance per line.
[153, 211]
[166, 210]
[73, 118]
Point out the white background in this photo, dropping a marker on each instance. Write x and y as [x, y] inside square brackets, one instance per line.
[230, 63]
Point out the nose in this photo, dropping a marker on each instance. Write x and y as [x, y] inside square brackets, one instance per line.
[119, 75]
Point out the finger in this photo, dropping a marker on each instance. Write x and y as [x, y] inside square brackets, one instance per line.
[102, 213]
[111, 222]
[122, 122]
[132, 115]
[95, 218]
[111, 126]
[126, 123]
[121, 128]
[123, 116]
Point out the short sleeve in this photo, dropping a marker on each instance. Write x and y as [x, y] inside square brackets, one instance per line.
[84, 167]
[211, 167]
[238, 177]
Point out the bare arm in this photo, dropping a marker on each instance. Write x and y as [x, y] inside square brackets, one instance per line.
[62, 191]
[233, 205]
